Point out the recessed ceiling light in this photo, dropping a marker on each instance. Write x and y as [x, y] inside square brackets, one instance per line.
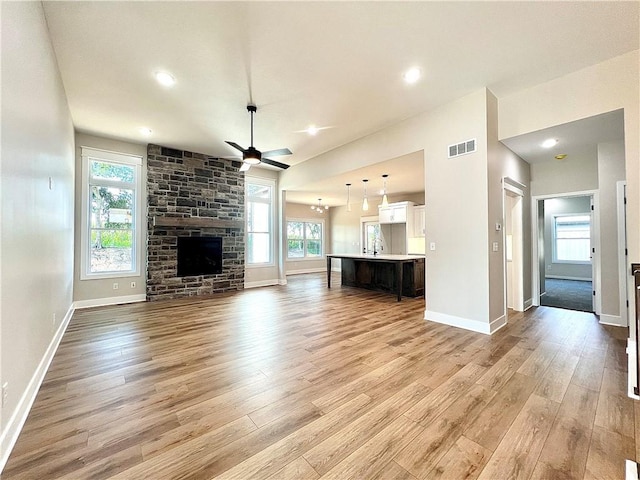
[312, 130]
[549, 142]
[412, 75]
[165, 79]
[146, 131]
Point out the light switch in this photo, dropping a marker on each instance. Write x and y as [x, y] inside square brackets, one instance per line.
[432, 246]
[495, 246]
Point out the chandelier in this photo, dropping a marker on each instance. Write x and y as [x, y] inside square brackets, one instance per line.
[319, 208]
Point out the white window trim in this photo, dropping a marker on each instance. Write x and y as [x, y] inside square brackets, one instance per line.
[267, 182]
[306, 259]
[89, 153]
[554, 258]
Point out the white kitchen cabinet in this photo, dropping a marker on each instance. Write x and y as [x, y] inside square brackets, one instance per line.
[395, 213]
[396, 226]
[418, 221]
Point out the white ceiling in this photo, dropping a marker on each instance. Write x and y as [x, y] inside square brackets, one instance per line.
[574, 138]
[332, 64]
[406, 175]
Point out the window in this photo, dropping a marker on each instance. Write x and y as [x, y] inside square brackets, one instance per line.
[572, 238]
[111, 219]
[259, 213]
[304, 239]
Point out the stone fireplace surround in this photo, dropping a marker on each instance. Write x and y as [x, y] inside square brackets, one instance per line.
[192, 194]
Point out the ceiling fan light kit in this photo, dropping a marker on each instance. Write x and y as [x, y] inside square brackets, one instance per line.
[253, 156]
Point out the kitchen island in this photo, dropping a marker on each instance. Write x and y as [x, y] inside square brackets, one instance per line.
[400, 274]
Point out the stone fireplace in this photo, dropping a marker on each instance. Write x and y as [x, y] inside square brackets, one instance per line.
[193, 195]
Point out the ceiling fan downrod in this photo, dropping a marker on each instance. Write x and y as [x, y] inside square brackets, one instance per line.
[251, 108]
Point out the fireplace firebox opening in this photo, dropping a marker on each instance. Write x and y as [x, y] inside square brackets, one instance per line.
[199, 256]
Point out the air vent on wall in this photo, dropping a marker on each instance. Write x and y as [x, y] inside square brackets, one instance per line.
[462, 148]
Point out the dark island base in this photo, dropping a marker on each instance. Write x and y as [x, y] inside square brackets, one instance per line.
[384, 275]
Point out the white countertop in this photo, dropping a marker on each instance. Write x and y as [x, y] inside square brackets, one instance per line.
[369, 256]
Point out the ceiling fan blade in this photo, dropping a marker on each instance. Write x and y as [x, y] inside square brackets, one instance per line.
[276, 153]
[245, 166]
[235, 145]
[268, 161]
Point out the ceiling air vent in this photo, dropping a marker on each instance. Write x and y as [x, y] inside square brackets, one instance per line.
[461, 148]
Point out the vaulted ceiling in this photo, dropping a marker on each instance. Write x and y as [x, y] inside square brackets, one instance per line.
[336, 65]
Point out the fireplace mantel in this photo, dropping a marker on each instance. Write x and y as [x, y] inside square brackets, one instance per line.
[202, 222]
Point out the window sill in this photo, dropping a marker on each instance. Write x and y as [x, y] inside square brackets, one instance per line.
[569, 262]
[104, 276]
[259, 265]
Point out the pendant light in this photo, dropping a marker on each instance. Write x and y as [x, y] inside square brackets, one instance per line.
[348, 197]
[365, 202]
[385, 201]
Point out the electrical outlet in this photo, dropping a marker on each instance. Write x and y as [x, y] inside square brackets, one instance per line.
[133, 284]
[5, 393]
[115, 286]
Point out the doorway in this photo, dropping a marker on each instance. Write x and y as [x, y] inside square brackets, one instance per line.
[514, 246]
[371, 239]
[567, 233]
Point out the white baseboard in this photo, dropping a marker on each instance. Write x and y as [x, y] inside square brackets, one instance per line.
[467, 324]
[101, 302]
[631, 357]
[631, 470]
[562, 277]
[10, 434]
[613, 320]
[528, 304]
[263, 283]
[282, 281]
[306, 270]
[497, 324]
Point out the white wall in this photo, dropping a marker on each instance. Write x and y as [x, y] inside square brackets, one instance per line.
[611, 161]
[37, 221]
[576, 173]
[601, 88]
[502, 162]
[100, 291]
[456, 193]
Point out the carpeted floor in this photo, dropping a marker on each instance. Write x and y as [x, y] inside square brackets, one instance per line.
[570, 294]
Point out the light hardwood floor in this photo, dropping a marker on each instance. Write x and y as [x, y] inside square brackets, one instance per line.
[301, 382]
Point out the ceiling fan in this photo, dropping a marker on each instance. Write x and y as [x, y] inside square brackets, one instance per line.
[253, 156]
